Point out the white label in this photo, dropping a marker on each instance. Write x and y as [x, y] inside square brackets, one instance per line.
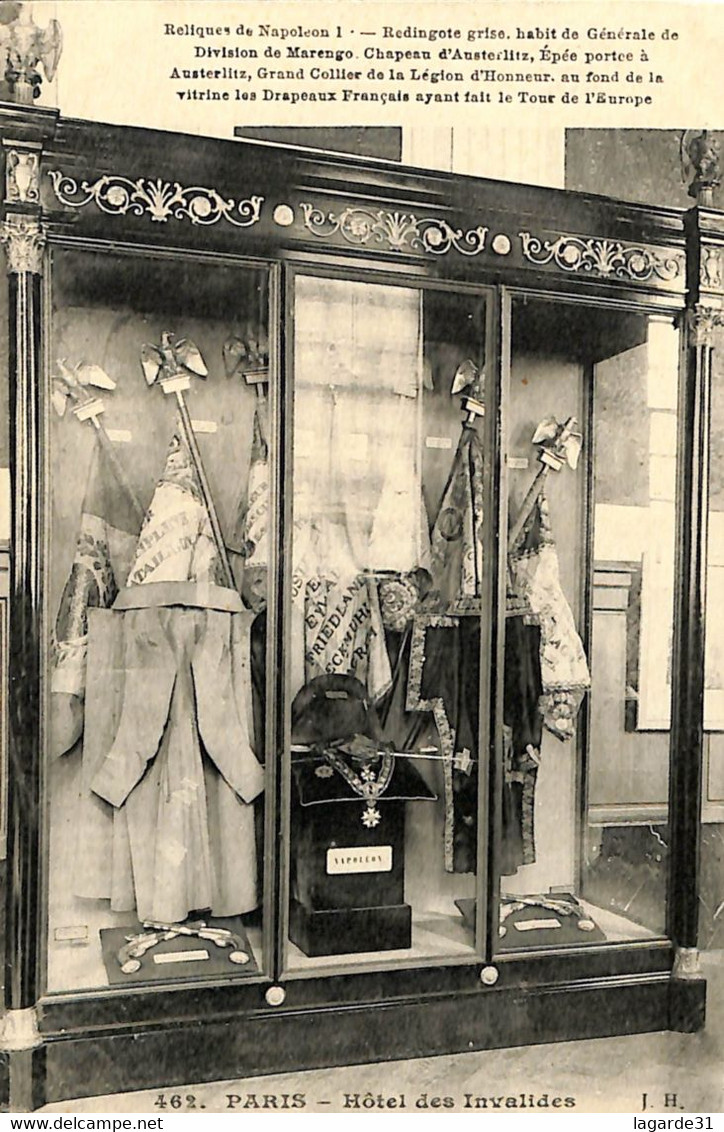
[362, 859]
[176, 384]
[119, 435]
[517, 462]
[75, 933]
[533, 925]
[204, 426]
[438, 442]
[256, 376]
[180, 956]
[91, 409]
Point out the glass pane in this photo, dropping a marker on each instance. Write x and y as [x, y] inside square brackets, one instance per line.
[591, 473]
[156, 591]
[385, 640]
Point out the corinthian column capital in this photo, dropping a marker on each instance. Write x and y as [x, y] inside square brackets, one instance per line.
[24, 240]
[702, 321]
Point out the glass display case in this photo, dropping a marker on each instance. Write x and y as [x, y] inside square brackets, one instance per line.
[159, 619]
[356, 609]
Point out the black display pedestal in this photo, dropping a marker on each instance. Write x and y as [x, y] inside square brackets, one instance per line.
[348, 858]
[348, 879]
[350, 930]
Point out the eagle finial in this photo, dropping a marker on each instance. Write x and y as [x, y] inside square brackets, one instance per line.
[26, 46]
[699, 154]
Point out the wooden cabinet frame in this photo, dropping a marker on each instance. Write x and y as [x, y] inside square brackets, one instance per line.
[110, 187]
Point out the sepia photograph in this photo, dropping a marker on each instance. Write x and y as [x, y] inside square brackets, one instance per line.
[361, 560]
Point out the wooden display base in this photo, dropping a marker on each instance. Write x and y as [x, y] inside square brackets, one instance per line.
[86, 1051]
[172, 959]
[564, 931]
[350, 930]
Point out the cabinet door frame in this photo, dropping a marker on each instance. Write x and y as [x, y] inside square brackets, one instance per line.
[404, 276]
[661, 306]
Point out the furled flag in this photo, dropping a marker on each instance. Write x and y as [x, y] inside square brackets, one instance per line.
[344, 634]
[457, 534]
[176, 543]
[253, 524]
[109, 524]
[536, 583]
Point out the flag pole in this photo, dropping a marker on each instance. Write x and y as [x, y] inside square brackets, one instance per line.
[172, 364]
[188, 430]
[553, 455]
[118, 471]
[71, 385]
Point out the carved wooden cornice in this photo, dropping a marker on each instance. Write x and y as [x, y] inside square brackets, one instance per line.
[365, 226]
[606, 259]
[161, 200]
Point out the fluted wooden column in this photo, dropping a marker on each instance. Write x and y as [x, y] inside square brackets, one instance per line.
[704, 314]
[23, 237]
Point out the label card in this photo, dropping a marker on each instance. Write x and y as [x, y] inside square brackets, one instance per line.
[180, 956]
[74, 933]
[359, 859]
[534, 925]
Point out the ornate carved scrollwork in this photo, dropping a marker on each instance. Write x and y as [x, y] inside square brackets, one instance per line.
[22, 177]
[609, 259]
[702, 321]
[399, 231]
[162, 200]
[24, 241]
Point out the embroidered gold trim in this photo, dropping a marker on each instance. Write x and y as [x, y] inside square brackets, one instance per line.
[436, 705]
